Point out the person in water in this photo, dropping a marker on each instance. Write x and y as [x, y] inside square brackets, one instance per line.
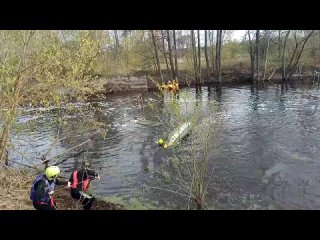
[162, 143]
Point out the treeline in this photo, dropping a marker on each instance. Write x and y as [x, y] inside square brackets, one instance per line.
[52, 67]
[204, 54]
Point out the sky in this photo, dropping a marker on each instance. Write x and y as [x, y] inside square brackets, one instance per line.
[238, 34]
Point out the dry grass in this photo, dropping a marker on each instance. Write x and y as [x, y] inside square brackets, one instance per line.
[15, 189]
[15, 193]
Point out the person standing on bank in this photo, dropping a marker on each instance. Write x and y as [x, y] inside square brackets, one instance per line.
[43, 188]
[79, 183]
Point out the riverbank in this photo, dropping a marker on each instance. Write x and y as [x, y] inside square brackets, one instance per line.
[145, 81]
[15, 187]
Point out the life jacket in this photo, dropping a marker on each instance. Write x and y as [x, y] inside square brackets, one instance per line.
[45, 199]
[85, 183]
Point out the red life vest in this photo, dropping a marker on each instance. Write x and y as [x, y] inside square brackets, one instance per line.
[75, 183]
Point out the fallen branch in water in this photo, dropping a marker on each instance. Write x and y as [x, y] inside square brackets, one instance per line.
[25, 165]
[89, 140]
[33, 165]
[75, 155]
[45, 161]
[269, 78]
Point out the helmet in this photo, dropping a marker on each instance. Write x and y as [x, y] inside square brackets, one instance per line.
[161, 141]
[52, 172]
[86, 164]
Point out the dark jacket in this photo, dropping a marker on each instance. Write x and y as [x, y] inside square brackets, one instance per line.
[40, 187]
[82, 175]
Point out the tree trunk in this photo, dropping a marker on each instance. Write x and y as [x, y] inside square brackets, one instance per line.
[199, 58]
[4, 143]
[175, 53]
[212, 51]
[10, 119]
[117, 45]
[293, 69]
[283, 53]
[252, 66]
[206, 53]
[194, 55]
[217, 52]
[279, 46]
[116, 38]
[156, 56]
[251, 53]
[220, 49]
[257, 54]
[164, 52]
[170, 55]
[199, 204]
[218, 55]
[266, 60]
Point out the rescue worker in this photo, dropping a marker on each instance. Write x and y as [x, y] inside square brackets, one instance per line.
[43, 188]
[162, 143]
[79, 183]
[176, 84]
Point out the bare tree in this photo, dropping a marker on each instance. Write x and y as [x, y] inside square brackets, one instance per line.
[189, 170]
[266, 57]
[283, 54]
[299, 46]
[206, 53]
[199, 58]
[116, 38]
[164, 51]
[116, 44]
[218, 55]
[156, 56]
[170, 55]
[175, 53]
[257, 54]
[194, 55]
[251, 53]
[211, 34]
[279, 46]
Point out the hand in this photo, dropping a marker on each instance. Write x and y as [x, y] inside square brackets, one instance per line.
[51, 193]
[98, 177]
[69, 184]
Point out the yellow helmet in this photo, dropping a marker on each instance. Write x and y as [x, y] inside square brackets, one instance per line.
[161, 141]
[52, 172]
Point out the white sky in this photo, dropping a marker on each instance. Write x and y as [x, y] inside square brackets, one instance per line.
[238, 34]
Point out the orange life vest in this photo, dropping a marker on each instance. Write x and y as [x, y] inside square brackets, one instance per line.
[75, 183]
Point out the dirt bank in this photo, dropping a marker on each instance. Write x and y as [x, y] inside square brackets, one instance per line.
[15, 190]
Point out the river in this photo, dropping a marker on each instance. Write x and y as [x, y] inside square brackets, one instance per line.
[264, 149]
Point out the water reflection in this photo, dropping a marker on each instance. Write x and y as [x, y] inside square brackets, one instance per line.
[264, 149]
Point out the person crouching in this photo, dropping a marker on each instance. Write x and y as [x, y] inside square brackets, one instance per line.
[43, 188]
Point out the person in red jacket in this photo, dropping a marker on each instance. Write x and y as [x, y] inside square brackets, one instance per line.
[79, 183]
